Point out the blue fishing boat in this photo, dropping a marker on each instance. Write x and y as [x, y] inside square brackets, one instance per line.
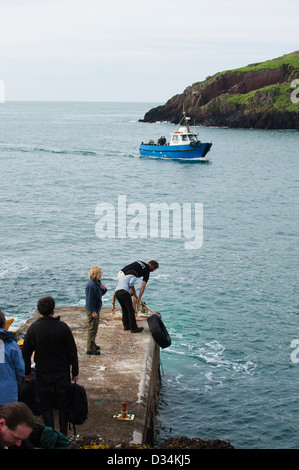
[183, 144]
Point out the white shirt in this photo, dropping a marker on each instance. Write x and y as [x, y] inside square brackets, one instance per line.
[126, 282]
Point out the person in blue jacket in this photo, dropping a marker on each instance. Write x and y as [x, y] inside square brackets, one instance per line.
[12, 366]
[94, 291]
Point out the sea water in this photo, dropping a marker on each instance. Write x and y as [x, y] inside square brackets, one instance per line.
[230, 303]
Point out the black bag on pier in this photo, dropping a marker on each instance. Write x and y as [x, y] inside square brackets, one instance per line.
[78, 405]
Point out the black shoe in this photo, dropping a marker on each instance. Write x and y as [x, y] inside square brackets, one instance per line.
[137, 330]
[98, 348]
[126, 328]
[96, 352]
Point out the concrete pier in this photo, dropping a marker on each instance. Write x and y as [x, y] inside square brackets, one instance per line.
[127, 370]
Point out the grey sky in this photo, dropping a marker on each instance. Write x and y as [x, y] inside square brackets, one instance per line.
[134, 50]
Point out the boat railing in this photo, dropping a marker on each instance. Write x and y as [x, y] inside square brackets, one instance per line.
[154, 144]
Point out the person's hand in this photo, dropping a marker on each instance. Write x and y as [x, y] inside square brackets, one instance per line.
[94, 314]
[75, 378]
[28, 377]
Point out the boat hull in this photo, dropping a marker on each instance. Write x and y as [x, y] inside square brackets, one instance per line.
[183, 152]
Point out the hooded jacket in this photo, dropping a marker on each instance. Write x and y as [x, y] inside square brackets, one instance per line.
[12, 367]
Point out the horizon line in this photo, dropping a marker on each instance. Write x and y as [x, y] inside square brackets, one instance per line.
[81, 101]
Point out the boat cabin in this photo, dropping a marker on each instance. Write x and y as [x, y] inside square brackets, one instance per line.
[182, 137]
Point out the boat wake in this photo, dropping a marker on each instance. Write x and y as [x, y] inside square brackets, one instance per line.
[201, 161]
[23, 149]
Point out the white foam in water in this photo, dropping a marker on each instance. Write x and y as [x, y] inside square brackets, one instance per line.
[12, 269]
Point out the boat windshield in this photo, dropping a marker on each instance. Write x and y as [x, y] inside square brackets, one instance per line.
[189, 138]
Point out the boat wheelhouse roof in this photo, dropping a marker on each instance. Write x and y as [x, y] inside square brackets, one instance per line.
[183, 133]
[183, 130]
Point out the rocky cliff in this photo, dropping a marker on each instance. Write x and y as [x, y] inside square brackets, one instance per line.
[261, 96]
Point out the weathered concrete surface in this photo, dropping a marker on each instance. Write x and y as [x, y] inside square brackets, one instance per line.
[128, 370]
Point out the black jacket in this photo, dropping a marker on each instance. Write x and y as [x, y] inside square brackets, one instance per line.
[54, 346]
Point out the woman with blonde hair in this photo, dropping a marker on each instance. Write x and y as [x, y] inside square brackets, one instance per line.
[94, 291]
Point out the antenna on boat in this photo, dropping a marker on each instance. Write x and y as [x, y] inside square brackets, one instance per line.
[185, 119]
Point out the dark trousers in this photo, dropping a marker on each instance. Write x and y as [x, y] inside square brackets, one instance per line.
[54, 391]
[128, 314]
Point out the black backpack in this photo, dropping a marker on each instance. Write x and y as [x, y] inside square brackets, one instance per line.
[78, 405]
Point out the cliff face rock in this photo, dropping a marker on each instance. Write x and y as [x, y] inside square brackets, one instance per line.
[256, 96]
[237, 83]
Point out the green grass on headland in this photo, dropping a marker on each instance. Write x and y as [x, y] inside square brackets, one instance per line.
[279, 96]
[289, 64]
[272, 64]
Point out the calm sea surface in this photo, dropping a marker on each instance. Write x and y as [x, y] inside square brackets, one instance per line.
[231, 304]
